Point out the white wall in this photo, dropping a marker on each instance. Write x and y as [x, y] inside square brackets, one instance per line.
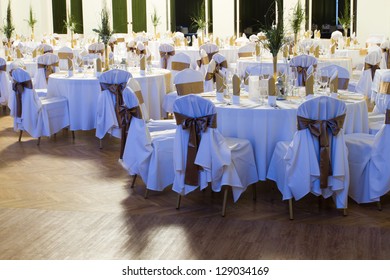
[161, 10]
[288, 7]
[223, 18]
[91, 15]
[373, 18]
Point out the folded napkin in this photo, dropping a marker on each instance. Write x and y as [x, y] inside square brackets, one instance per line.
[35, 53]
[219, 83]
[199, 41]
[334, 82]
[271, 86]
[348, 42]
[217, 42]
[257, 49]
[309, 86]
[142, 62]
[285, 51]
[19, 53]
[231, 41]
[236, 81]
[70, 64]
[98, 65]
[317, 52]
[333, 48]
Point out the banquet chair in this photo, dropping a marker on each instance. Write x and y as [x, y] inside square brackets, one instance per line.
[153, 125]
[202, 155]
[48, 63]
[369, 163]
[179, 62]
[218, 64]
[343, 75]
[382, 99]
[167, 51]
[65, 55]
[147, 154]
[202, 62]
[96, 48]
[336, 35]
[38, 117]
[371, 64]
[109, 116]
[315, 161]
[385, 62]
[187, 81]
[247, 50]
[4, 84]
[210, 49]
[45, 48]
[302, 63]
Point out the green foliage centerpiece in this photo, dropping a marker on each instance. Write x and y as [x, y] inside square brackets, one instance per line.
[31, 21]
[199, 20]
[297, 19]
[345, 19]
[71, 24]
[275, 37]
[104, 32]
[8, 28]
[156, 20]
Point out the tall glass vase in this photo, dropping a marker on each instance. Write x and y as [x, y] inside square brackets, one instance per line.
[275, 66]
[106, 61]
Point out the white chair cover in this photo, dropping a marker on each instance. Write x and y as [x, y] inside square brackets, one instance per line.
[385, 46]
[241, 41]
[96, 48]
[210, 49]
[203, 66]
[63, 62]
[304, 61]
[336, 35]
[153, 125]
[365, 82]
[45, 48]
[342, 74]
[179, 58]
[295, 166]
[382, 100]
[149, 155]
[225, 161]
[166, 48]
[39, 117]
[4, 83]
[106, 118]
[369, 163]
[40, 76]
[183, 77]
[247, 50]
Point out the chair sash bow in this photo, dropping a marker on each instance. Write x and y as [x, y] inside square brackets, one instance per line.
[302, 75]
[19, 89]
[116, 90]
[203, 61]
[3, 68]
[210, 55]
[165, 56]
[372, 67]
[384, 87]
[218, 66]
[126, 114]
[196, 126]
[49, 69]
[319, 128]
[387, 117]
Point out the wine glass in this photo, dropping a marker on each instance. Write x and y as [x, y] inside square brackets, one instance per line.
[292, 80]
[188, 38]
[324, 79]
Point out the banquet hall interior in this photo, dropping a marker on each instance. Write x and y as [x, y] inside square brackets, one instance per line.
[194, 129]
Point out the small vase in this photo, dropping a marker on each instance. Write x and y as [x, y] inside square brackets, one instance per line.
[275, 65]
[106, 61]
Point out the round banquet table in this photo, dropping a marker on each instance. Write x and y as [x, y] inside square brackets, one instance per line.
[230, 54]
[264, 126]
[354, 54]
[82, 92]
[31, 66]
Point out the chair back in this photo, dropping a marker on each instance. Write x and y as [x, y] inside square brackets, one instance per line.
[189, 81]
[65, 55]
[302, 63]
[343, 74]
[48, 63]
[4, 82]
[135, 87]
[210, 49]
[371, 64]
[180, 61]
[167, 51]
[382, 98]
[247, 50]
[96, 48]
[385, 62]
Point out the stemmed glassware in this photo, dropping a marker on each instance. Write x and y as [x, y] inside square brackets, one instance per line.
[323, 80]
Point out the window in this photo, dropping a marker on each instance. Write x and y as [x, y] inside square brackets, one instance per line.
[59, 16]
[119, 15]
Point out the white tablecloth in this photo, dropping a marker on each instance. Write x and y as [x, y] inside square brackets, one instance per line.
[231, 54]
[354, 54]
[31, 66]
[82, 93]
[264, 126]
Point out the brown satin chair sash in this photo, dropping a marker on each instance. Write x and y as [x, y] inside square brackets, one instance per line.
[218, 66]
[203, 60]
[210, 55]
[178, 66]
[244, 54]
[126, 114]
[302, 71]
[137, 51]
[319, 128]
[387, 117]
[196, 126]
[115, 89]
[372, 67]
[96, 51]
[165, 56]
[3, 68]
[343, 83]
[49, 68]
[131, 49]
[384, 87]
[65, 55]
[19, 89]
[188, 88]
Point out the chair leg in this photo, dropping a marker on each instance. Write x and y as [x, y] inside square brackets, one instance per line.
[100, 144]
[146, 193]
[134, 178]
[178, 201]
[39, 141]
[225, 195]
[73, 135]
[379, 205]
[55, 136]
[290, 208]
[20, 135]
[254, 192]
[345, 212]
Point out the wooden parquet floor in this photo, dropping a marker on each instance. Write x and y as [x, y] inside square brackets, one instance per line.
[67, 199]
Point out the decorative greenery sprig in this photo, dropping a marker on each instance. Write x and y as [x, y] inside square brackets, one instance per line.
[275, 34]
[31, 20]
[70, 23]
[297, 18]
[104, 31]
[345, 19]
[155, 18]
[8, 27]
[199, 19]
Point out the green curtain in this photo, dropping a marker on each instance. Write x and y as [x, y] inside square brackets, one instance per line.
[76, 10]
[59, 16]
[119, 15]
[173, 15]
[139, 15]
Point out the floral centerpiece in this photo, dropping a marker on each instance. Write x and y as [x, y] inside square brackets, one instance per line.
[70, 24]
[8, 28]
[275, 38]
[31, 21]
[156, 20]
[199, 20]
[297, 19]
[345, 19]
[104, 32]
